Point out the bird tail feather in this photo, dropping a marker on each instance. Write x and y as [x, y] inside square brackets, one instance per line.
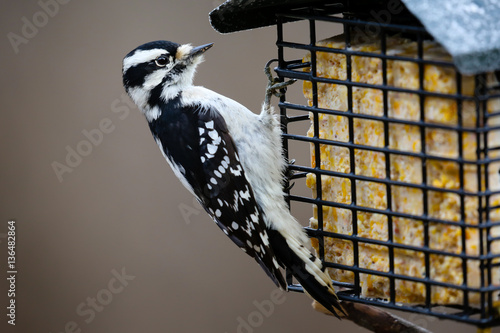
[308, 270]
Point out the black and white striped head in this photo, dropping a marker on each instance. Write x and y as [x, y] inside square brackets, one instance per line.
[163, 66]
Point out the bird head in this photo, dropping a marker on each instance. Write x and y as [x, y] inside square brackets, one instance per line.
[163, 66]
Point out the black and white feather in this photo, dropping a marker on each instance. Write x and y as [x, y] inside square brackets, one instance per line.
[229, 158]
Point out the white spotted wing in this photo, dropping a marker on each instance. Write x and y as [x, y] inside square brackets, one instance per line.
[228, 197]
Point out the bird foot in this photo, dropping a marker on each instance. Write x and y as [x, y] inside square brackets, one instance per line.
[289, 174]
[275, 85]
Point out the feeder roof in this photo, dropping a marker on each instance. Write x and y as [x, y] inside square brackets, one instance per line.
[468, 29]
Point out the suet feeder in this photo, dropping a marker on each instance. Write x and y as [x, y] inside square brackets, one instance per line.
[403, 111]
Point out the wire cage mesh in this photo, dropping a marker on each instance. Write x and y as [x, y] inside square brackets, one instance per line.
[405, 161]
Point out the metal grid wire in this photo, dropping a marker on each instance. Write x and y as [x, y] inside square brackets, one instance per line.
[483, 310]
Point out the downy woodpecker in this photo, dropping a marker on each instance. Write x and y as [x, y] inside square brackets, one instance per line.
[229, 158]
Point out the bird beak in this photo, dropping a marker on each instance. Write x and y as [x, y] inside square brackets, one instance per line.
[198, 50]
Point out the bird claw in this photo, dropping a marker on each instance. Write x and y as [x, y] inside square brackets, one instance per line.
[289, 174]
[275, 85]
[289, 187]
[278, 88]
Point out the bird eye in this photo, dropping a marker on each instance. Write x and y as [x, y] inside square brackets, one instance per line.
[161, 61]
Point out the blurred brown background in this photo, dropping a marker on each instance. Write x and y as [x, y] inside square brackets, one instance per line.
[119, 210]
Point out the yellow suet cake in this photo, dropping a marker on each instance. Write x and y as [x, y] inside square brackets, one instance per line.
[404, 169]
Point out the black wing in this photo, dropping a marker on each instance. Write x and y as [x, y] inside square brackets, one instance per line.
[204, 152]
